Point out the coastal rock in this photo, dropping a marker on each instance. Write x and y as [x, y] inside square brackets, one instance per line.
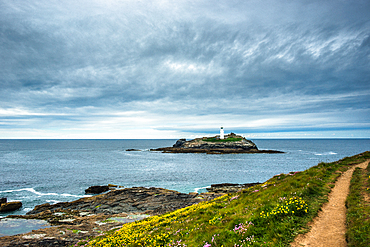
[3, 200]
[229, 188]
[70, 230]
[128, 200]
[88, 216]
[10, 206]
[232, 143]
[97, 189]
[114, 187]
[179, 143]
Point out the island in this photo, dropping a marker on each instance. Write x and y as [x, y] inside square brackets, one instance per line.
[219, 144]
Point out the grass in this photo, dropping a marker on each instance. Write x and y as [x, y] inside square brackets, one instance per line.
[230, 139]
[269, 214]
[358, 209]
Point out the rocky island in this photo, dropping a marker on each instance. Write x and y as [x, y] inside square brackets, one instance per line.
[218, 144]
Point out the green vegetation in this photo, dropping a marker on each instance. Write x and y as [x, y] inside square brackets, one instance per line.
[230, 139]
[74, 231]
[269, 214]
[358, 214]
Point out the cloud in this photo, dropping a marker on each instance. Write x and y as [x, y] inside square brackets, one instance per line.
[183, 65]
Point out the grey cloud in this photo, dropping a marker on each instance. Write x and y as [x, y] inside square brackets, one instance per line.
[70, 55]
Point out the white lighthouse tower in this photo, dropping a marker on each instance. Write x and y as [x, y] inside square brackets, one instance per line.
[222, 136]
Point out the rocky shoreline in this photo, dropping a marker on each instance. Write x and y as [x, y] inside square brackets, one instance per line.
[90, 216]
[231, 144]
[111, 206]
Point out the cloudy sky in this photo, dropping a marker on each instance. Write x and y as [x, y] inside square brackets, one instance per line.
[171, 69]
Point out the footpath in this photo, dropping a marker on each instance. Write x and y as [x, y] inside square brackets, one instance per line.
[329, 227]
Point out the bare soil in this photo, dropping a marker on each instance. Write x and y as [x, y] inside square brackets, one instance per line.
[329, 227]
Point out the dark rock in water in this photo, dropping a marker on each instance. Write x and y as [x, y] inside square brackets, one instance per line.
[3, 200]
[10, 206]
[229, 188]
[96, 189]
[132, 150]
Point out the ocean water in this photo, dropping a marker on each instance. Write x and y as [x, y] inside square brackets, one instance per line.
[51, 171]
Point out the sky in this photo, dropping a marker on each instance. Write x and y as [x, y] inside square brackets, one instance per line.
[161, 69]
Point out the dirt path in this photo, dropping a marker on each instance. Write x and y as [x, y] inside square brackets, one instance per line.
[329, 227]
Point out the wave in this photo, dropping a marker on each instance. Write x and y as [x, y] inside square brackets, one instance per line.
[326, 153]
[201, 188]
[79, 196]
[53, 201]
[32, 190]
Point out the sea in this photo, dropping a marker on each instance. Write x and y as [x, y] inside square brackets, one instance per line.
[50, 171]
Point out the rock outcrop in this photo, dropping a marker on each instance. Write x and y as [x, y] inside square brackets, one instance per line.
[179, 143]
[89, 216]
[96, 189]
[232, 143]
[229, 188]
[10, 206]
[128, 200]
[3, 200]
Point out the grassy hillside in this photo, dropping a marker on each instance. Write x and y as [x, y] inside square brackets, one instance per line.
[270, 214]
[358, 204]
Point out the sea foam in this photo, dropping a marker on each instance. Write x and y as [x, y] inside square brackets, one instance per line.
[201, 188]
[32, 190]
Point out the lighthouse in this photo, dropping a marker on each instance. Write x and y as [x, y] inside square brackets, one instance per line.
[222, 133]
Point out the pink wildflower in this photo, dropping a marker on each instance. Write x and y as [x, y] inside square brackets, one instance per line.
[233, 198]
